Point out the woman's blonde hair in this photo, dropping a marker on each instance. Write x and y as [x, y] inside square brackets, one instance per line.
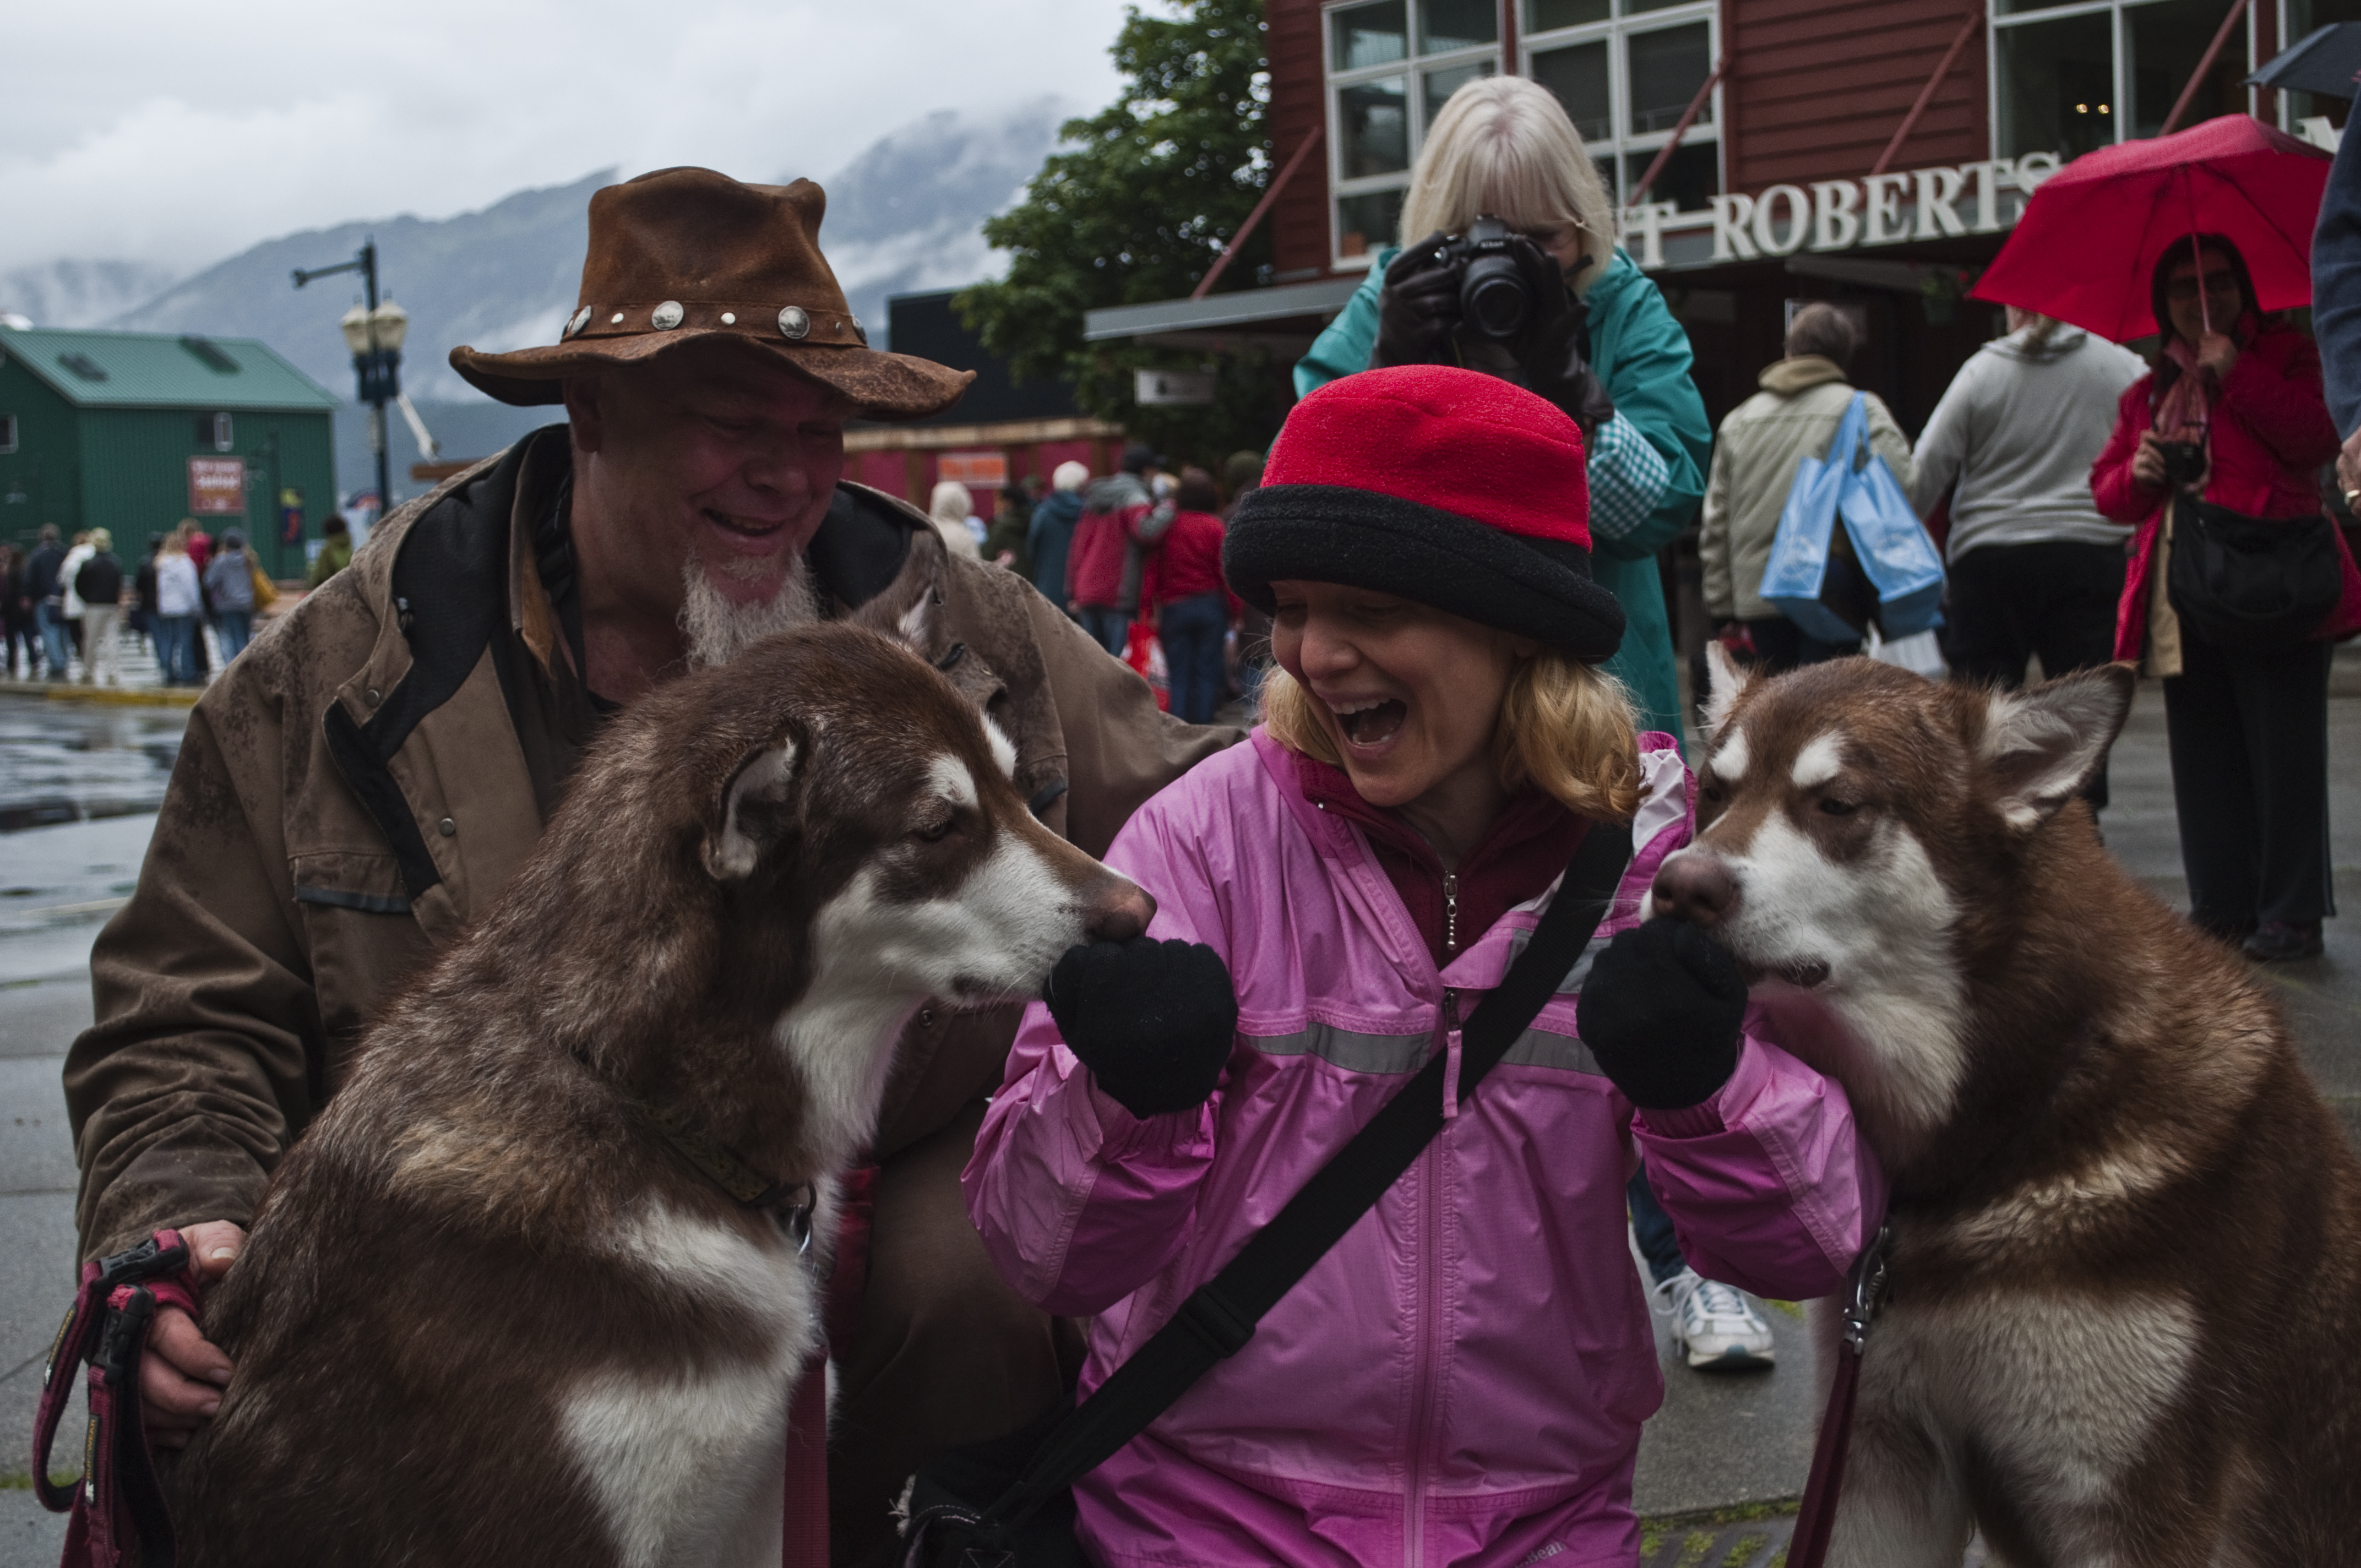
[1503, 146]
[1564, 727]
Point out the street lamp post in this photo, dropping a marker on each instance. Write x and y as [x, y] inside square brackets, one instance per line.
[374, 333]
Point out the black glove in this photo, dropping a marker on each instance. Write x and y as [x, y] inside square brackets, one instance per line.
[1418, 310]
[1556, 355]
[1661, 1012]
[1153, 1021]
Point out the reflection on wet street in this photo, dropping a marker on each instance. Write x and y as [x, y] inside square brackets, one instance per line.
[71, 762]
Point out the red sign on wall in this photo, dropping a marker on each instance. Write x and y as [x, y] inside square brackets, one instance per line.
[976, 470]
[217, 487]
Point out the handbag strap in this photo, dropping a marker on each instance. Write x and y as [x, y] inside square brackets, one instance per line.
[1220, 1315]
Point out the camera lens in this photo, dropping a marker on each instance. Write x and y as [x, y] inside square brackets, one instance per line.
[1493, 299]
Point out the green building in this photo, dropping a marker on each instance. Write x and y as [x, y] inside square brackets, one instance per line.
[132, 432]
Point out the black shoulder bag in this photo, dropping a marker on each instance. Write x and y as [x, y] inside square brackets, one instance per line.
[1029, 1522]
[2253, 583]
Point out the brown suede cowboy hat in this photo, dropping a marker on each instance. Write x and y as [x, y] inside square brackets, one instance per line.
[686, 253]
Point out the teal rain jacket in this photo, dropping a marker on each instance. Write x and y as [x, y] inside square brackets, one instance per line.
[1642, 355]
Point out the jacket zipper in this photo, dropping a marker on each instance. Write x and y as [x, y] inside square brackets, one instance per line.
[1430, 1333]
[1450, 913]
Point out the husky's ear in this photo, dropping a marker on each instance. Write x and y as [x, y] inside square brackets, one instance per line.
[2041, 744]
[1724, 683]
[756, 810]
[909, 608]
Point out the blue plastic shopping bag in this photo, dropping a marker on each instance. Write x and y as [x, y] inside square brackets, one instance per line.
[1800, 550]
[1854, 486]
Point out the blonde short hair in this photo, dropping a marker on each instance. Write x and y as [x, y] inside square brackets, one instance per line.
[1069, 476]
[1503, 146]
[950, 502]
[1564, 727]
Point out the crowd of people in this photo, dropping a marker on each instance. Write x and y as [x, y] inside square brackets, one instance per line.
[1450, 556]
[69, 604]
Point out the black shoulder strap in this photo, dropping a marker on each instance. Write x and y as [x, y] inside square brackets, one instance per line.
[1221, 1314]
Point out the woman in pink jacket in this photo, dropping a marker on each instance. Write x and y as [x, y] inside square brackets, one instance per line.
[1463, 1377]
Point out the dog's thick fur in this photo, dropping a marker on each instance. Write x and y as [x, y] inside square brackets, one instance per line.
[2126, 1227]
[488, 1314]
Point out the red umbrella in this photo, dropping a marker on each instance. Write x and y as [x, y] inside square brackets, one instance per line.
[2088, 244]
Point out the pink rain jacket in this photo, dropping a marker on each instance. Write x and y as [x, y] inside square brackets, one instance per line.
[1463, 1377]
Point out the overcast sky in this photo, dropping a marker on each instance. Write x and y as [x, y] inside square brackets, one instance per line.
[178, 133]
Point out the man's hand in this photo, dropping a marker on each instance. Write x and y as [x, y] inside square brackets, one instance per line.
[2348, 468]
[2147, 463]
[184, 1373]
[2217, 353]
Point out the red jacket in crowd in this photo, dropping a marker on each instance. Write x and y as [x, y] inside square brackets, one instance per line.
[1187, 563]
[2269, 435]
[1117, 513]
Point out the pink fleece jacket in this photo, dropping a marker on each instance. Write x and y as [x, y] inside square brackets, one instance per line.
[1463, 1377]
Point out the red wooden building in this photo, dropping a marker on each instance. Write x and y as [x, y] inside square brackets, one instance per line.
[1868, 152]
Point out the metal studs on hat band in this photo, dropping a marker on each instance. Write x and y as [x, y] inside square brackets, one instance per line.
[667, 316]
[729, 318]
[581, 319]
[615, 320]
[794, 322]
[859, 330]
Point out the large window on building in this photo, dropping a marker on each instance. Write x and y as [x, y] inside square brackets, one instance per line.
[1391, 66]
[2066, 79]
[1625, 70]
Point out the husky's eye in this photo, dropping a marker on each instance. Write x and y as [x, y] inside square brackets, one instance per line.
[1836, 807]
[936, 831]
[1711, 793]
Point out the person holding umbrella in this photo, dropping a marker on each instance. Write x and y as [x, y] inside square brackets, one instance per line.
[2231, 418]
[2200, 237]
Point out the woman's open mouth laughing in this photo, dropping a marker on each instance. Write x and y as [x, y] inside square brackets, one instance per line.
[1369, 722]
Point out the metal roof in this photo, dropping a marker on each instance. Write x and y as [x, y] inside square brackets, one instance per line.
[146, 371]
[1241, 307]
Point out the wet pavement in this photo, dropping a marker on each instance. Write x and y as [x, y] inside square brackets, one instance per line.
[70, 762]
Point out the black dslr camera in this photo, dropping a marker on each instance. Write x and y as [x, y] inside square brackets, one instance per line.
[2184, 462]
[1494, 301]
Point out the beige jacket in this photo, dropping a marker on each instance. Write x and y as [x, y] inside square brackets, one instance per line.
[1793, 416]
[358, 786]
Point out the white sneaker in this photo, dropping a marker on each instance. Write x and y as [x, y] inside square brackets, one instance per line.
[1714, 1324]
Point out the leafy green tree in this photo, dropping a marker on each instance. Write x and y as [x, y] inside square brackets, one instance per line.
[1135, 206]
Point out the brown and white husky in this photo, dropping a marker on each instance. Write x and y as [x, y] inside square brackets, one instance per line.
[2126, 1232]
[498, 1306]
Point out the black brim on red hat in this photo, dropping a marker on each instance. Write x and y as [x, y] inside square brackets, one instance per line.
[1539, 588]
[1441, 485]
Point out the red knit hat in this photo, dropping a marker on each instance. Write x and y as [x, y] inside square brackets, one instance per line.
[1444, 486]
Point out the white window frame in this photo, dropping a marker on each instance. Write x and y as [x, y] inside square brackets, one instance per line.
[1624, 142]
[2119, 111]
[1412, 66]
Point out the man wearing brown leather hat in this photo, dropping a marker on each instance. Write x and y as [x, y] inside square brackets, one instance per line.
[360, 785]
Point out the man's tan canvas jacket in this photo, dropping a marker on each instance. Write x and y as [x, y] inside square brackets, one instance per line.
[353, 792]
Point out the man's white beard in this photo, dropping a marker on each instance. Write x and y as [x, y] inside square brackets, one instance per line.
[719, 628]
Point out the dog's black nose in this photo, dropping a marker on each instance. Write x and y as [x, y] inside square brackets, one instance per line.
[1115, 909]
[1696, 887]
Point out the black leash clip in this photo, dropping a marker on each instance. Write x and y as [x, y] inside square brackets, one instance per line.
[1866, 1290]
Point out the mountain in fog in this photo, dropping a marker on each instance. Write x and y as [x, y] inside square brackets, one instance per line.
[78, 291]
[498, 278]
[907, 214]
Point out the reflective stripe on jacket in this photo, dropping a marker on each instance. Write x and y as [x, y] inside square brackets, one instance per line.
[1462, 1379]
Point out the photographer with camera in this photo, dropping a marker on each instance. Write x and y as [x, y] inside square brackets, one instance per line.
[2224, 441]
[1519, 276]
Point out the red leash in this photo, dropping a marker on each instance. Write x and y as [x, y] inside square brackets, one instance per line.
[118, 1507]
[1809, 1548]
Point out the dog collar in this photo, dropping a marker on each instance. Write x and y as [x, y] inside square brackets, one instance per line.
[792, 1202]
